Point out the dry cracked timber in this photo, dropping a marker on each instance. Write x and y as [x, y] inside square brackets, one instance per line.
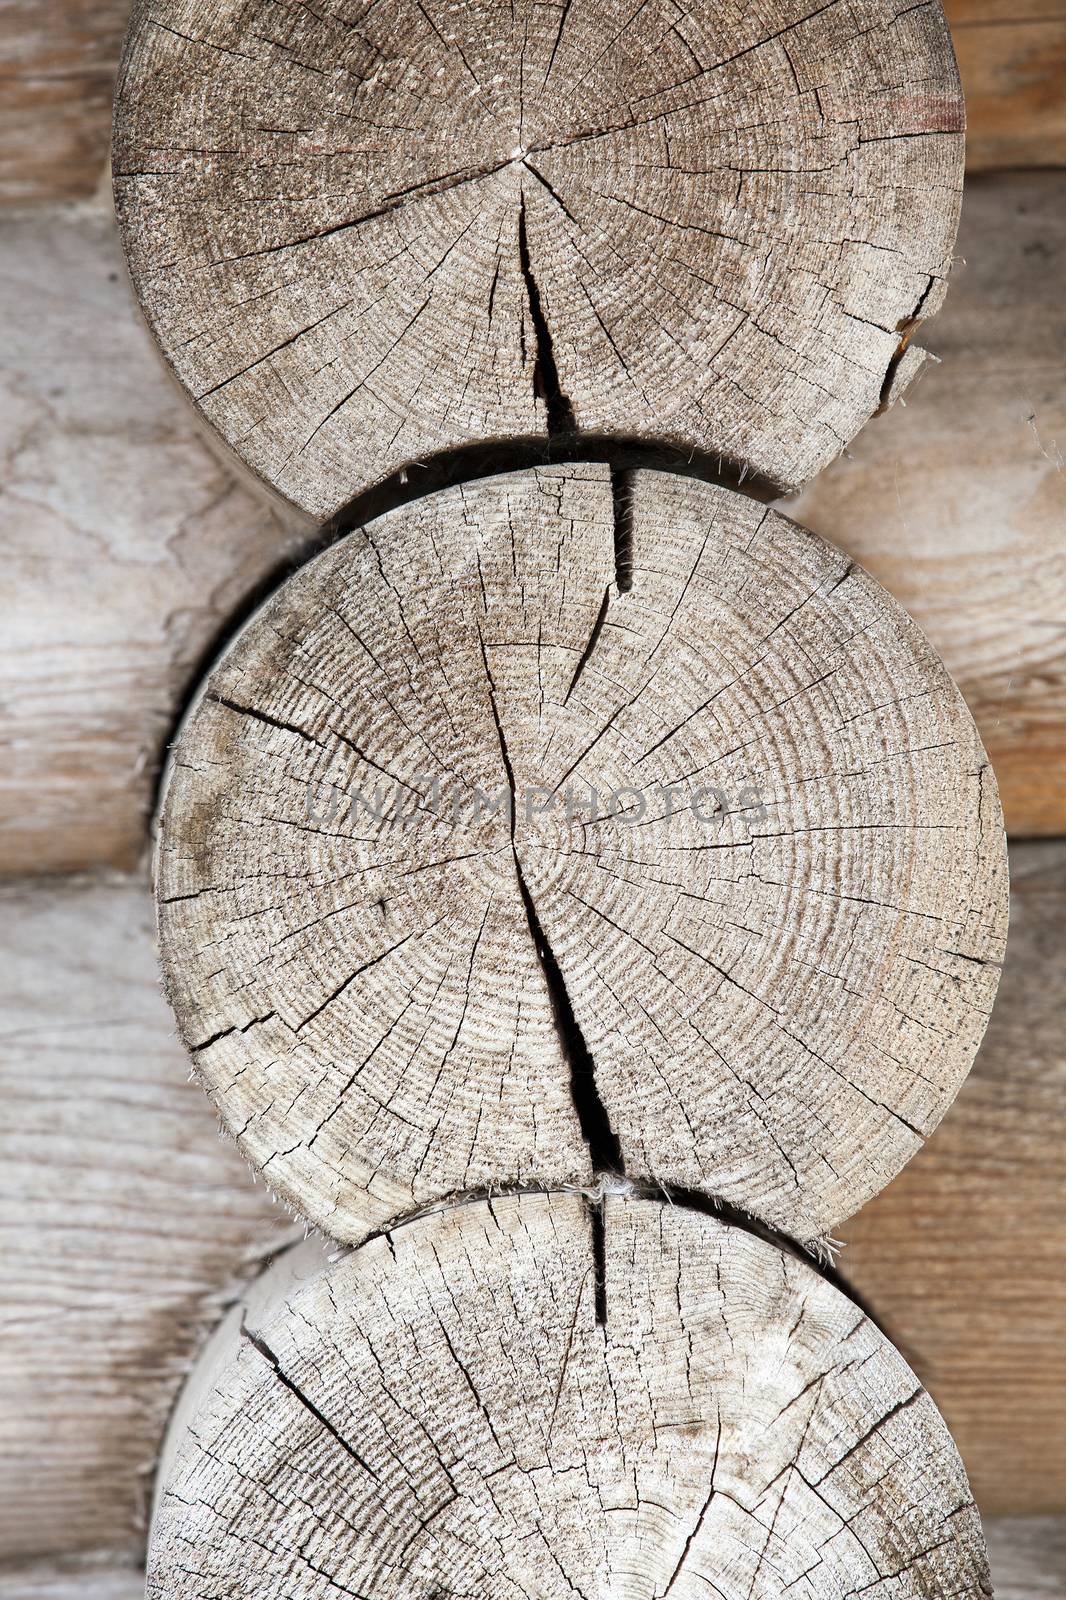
[442, 1414]
[517, 842]
[367, 236]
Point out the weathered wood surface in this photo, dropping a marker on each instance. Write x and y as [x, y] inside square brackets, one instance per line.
[446, 224]
[957, 502]
[962, 1255]
[58, 62]
[127, 548]
[1013, 65]
[557, 824]
[1028, 1557]
[92, 1580]
[467, 1407]
[124, 1221]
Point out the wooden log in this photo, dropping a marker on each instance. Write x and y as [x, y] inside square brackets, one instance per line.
[98, 1580]
[58, 63]
[961, 1257]
[365, 239]
[453, 1410]
[1029, 1557]
[1012, 61]
[957, 502]
[127, 549]
[125, 1225]
[557, 824]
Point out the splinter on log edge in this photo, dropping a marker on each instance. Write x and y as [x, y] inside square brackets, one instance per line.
[366, 235]
[443, 1413]
[575, 823]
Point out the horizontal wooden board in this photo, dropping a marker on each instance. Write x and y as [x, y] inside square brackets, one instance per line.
[1028, 1557]
[128, 548]
[962, 1256]
[58, 60]
[125, 1222]
[957, 499]
[1012, 61]
[91, 1580]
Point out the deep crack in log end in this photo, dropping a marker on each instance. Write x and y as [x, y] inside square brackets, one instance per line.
[444, 1413]
[361, 242]
[549, 828]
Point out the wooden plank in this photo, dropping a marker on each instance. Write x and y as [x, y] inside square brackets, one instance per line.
[125, 1223]
[957, 500]
[128, 547]
[1013, 69]
[58, 60]
[962, 1256]
[83, 1581]
[1028, 1557]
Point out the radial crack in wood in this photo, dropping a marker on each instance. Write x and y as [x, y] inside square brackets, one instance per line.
[465, 882]
[363, 236]
[440, 1414]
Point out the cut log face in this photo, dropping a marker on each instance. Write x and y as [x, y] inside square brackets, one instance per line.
[562, 824]
[443, 1413]
[366, 235]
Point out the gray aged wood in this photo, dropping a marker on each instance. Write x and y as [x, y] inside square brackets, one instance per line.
[125, 1224]
[411, 954]
[363, 235]
[957, 500]
[1027, 1554]
[1028, 1557]
[127, 549]
[444, 1413]
[963, 1254]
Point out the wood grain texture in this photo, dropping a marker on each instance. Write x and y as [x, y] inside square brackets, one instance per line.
[58, 63]
[446, 1411]
[1028, 1556]
[125, 1223]
[91, 1580]
[127, 549]
[443, 224]
[962, 1255]
[549, 826]
[957, 502]
[1013, 65]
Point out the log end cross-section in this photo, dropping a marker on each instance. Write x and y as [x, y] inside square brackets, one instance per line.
[367, 234]
[442, 1414]
[569, 824]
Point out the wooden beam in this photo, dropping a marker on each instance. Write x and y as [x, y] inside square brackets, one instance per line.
[1012, 60]
[58, 62]
[962, 1255]
[128, 549]
[957, 501]
[553, 826]
[124, 1222]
